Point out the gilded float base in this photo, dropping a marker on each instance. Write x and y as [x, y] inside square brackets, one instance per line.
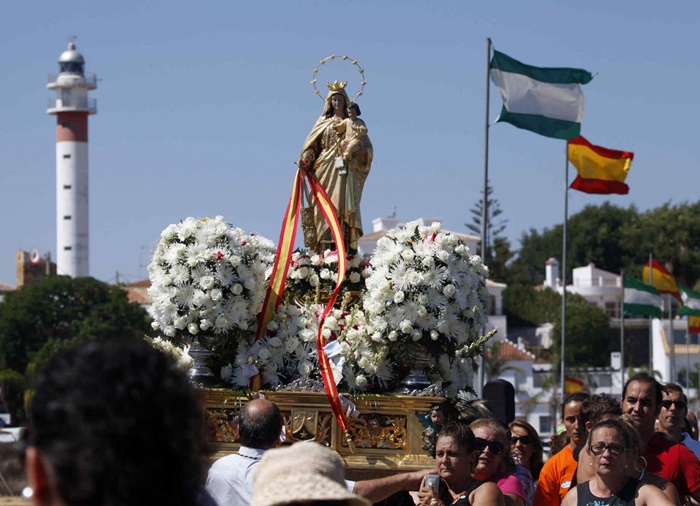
[388, 435]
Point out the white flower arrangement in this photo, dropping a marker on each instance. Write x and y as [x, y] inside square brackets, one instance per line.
[183, 360]
[421, 293]
[427, 291]
[207, 280]
[314, 274]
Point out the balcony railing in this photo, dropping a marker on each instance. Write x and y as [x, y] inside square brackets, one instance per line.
[73, 104]
[89, 77]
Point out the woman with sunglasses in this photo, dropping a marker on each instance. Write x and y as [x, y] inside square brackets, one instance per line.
[454, 455]
[526, 450]
[607, 445]
[493, 462]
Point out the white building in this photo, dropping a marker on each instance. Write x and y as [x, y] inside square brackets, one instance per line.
[604, 289]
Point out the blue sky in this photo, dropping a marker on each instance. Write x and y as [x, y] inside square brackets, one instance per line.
[203, 108]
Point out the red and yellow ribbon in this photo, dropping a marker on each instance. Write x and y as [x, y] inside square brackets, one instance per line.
[280, 269]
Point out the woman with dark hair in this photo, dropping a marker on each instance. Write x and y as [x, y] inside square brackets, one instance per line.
[527, 445]
[454, 485]
[114, 423]
[342, 180]
[527, 453]
[607, 445]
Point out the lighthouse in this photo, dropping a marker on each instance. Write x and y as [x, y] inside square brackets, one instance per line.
[72, 106]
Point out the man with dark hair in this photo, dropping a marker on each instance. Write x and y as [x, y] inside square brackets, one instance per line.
[230, 479]
[641, 398]
[559, 472]
[114, 422]
[674, 408]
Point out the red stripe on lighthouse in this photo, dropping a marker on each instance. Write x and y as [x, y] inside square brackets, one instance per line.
[72, 126]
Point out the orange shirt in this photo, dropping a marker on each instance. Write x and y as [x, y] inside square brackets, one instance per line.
[555, 479]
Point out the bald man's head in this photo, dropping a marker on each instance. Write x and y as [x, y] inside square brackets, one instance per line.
[260, 424]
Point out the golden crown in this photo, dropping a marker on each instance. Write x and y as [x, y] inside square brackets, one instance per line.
[336, 86]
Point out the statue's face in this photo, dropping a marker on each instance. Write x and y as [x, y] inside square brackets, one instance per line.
[338, 102]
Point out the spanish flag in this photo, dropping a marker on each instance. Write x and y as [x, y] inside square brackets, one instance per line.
[694, 325]
[572, 385]
[600, 170]
[661, 279]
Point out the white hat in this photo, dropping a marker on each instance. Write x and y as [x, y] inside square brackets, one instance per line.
[303, 472]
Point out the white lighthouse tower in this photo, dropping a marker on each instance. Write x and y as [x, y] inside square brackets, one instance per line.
[72, 108]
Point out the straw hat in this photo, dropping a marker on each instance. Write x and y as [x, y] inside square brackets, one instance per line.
[303, 472]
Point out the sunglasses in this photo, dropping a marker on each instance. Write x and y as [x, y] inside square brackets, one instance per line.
[679, 404]
[526, 440]
[495, 447]
[613, 449]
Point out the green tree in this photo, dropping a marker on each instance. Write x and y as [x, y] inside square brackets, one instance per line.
[496, 251]
[587, 326]
[672, 235]
[587, 334]
[595, 235]
[61, 309]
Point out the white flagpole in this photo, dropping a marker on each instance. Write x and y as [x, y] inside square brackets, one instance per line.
[622, 328]
[484, 206]
[651, 332]
[563, 270]
[672, 340]
[687, 355]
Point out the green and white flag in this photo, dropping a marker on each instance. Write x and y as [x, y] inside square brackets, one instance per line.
[547, 101]
[642, 299]
[691, 302]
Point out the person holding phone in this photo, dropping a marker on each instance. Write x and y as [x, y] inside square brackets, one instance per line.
[454, 455]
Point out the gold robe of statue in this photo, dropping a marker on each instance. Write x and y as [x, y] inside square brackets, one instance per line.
[319, 153]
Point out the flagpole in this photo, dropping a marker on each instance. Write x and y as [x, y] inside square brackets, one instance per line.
[484, 206]
[622, 328]
[563, 268]
[687, 355]
[672, 340]
[651, 331]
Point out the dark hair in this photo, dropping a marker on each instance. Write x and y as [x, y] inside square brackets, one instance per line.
[643, 377]
[119, 424]
[597, 406]
[575, 397]
[353, 105]
[331, 111]
[260, 424]
[537, 460]
[674, 387]
[611, 423]
[460, 432]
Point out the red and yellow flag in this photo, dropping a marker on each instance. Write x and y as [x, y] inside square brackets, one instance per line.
[600, 170]
[572, 385]
[661, 279]
[694, 325]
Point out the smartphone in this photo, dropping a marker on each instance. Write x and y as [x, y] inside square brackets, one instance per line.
[433, 481]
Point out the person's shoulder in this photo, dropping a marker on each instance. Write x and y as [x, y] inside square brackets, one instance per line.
[660, 442]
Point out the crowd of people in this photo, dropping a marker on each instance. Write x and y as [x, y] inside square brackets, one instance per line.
[115, 423]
